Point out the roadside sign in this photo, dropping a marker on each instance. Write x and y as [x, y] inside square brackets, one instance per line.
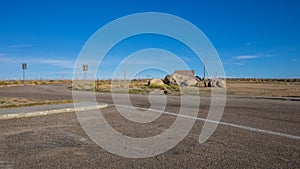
[24, 66]
[85, 67]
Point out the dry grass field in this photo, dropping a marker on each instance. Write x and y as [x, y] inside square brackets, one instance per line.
[5, 83]
[270, 88]
[11, 102]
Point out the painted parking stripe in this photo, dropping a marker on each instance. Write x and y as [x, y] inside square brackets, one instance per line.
[221, 123]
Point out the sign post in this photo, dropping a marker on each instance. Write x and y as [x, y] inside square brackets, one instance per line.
[24, 67]
[84, 69]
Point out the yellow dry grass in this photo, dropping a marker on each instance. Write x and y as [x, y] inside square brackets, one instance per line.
[272, 88]
[256, 87]
[10, 102]
[4, 83]
[234, 87]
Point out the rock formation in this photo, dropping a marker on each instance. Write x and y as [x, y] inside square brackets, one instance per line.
[181, 80]
[155, 82]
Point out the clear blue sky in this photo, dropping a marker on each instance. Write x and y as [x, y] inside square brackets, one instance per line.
[254, 38]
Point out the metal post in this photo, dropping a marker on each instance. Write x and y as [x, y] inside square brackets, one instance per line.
[23, 76]
[24, 66]
[204, 72]
[84, 69]
[204, 67]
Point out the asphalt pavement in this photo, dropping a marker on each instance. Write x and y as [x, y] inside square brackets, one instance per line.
[253, 133]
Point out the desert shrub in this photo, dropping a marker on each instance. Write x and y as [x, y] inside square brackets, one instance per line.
[154, 86]
[36, 82]
[173, 87]
[3, 83]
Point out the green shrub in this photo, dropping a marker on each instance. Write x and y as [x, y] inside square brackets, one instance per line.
[173, 87]
[154, 86]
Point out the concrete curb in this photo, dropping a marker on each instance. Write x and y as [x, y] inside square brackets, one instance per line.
[48, 112]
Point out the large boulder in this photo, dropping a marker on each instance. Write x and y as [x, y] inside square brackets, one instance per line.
[181, 80]
[221, 83]
[155, 82]
[216, 83]
[169, 80]
[212, 83]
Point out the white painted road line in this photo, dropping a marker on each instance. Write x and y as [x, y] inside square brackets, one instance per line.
[47, 112]
[221, 123]
[85, 108]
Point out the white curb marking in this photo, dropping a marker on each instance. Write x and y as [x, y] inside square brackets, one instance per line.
[47, 112]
